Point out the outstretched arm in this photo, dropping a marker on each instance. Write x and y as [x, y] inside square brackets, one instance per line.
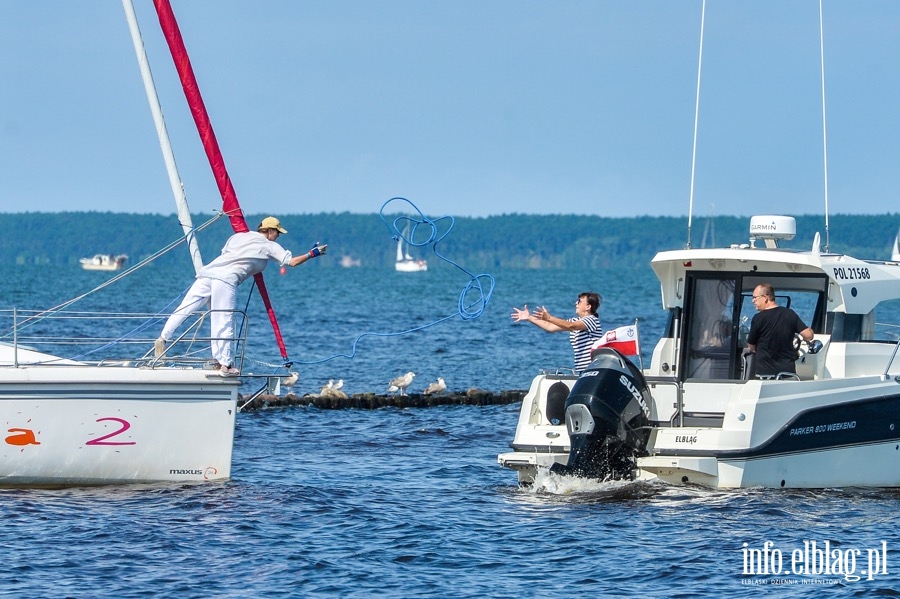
[315, 252]
[548, 322]
[523, 315]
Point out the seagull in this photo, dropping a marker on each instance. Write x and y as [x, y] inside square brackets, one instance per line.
[436, 387]
[401, 383]
[333, 390]
[290, 381]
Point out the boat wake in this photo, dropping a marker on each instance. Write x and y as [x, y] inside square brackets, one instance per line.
[590, 489]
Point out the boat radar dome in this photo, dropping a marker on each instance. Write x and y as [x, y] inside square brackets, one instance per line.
[771, 229]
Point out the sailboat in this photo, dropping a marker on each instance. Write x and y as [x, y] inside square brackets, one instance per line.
[104, 416]
[405, 262]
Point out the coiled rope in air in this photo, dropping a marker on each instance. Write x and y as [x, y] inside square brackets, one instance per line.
[473, 299]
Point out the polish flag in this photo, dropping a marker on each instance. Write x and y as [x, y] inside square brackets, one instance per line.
[623, 339]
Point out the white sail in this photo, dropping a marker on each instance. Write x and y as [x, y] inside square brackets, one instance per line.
[895, 254]
[184, 213]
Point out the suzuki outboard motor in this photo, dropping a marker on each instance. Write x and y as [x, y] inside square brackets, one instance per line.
[608, 419]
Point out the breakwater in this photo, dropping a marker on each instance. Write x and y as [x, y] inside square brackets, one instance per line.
[372, 401]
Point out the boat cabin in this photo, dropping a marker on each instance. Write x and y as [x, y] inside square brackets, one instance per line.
[708, 294]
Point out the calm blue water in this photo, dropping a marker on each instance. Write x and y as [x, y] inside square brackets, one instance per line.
[411, 503]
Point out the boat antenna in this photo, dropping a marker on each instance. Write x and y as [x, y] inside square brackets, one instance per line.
[696, 119]
[824, 135]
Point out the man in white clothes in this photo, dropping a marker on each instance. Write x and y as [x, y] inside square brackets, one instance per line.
[244, 255]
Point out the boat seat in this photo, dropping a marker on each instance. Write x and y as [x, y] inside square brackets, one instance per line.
[556, 402]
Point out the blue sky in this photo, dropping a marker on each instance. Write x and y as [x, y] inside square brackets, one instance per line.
[466, 108]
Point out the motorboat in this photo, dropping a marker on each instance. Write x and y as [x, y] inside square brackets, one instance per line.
[697, 415]
[104, 262]
[350, 261]
[89, 414]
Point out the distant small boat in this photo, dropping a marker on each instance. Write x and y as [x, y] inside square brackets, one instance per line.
[350, 261]
[895, 254]
[104, 262]
[405, 262]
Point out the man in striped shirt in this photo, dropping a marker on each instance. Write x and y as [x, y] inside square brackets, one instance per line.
[584, 328]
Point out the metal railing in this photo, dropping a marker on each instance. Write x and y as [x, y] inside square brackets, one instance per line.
[70, 338]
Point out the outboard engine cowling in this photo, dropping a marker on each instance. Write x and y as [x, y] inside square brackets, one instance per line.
[608, 419]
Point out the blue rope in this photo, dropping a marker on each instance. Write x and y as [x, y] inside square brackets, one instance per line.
[474, 298]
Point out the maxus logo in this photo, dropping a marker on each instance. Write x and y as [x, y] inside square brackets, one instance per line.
[191, 472]
[635, 393]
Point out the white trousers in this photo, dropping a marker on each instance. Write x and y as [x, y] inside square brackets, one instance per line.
[221, 297]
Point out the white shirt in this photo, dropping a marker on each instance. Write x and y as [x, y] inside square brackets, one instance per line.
[244, 255]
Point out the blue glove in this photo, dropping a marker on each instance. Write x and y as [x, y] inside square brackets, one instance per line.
[317, 250]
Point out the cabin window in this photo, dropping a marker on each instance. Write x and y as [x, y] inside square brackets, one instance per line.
[881, 324]
[877, 325]
[711, 329]
[719, 310]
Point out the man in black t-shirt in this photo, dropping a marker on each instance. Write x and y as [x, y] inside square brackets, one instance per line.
[772, 333]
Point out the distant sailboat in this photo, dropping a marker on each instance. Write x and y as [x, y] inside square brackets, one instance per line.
[405, 262]
[709, 230]
[895, 254]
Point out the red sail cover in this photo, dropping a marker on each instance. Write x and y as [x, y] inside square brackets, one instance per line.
[230, 204]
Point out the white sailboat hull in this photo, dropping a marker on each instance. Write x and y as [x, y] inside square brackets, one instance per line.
[411, 266]
[91, 425]
[405, 262]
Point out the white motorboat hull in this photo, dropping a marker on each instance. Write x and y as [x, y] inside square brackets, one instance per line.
[101, 267]
[106, 262]
[541, 439]
[92, 425]
[801, 434]
[794, 434]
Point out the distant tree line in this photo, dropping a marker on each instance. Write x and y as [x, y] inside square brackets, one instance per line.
[506, 241]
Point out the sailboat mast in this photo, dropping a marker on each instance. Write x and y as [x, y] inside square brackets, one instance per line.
[230, 204]
[184, 213]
